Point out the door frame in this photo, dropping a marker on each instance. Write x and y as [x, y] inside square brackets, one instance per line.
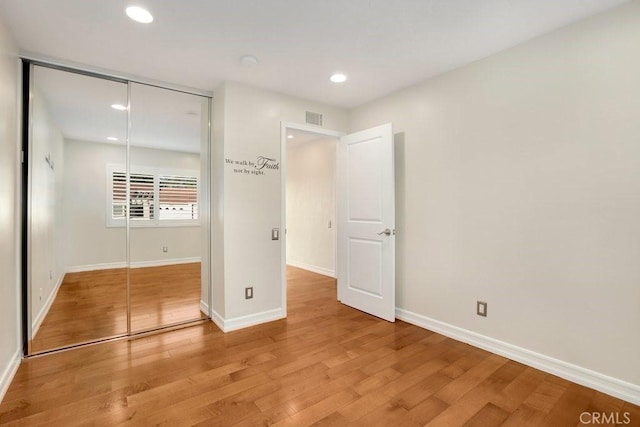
[284, 126]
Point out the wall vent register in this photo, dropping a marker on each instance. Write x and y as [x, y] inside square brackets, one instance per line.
[313, 118]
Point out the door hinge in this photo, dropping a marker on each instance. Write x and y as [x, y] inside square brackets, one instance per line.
[22, 156]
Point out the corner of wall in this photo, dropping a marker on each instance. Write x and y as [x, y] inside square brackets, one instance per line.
[9, 372]
[217, 311]
[241, 322]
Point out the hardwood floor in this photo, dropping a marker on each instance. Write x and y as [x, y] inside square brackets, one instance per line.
[93, 305]
[326, 364]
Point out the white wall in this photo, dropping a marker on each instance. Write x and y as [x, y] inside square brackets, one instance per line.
[45, 221]
[518, 184]
[249, 128]
[311, 205]
[89, 242]
[10, 343]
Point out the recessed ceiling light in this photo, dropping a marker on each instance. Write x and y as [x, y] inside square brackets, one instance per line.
[118, 107]
[338, 78]
[139, 14]
[290, 136]
[112, 138]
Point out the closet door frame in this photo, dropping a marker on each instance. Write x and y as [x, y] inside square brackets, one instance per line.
[28, 65]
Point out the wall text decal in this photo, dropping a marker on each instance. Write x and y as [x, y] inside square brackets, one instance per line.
[257, 167]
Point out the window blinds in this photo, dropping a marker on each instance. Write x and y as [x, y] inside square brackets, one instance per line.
[154, 196]
[178, 197]
[142, 196]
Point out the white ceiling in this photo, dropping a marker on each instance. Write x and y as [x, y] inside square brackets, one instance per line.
[382, 45]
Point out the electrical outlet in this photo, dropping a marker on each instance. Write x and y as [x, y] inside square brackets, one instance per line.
[248, 292]
[481, 308]
[165, 249]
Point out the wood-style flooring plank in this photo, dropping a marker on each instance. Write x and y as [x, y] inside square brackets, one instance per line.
[326, 365]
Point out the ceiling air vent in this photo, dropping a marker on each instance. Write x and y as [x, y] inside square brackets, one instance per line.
[314, 118]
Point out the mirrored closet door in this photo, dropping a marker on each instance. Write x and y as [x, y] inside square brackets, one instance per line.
[117, 218]
[77, 258]
[169, 141]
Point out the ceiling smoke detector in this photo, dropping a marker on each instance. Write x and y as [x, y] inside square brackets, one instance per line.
[249, 61]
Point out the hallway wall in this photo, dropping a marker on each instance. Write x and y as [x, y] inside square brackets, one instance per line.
[46, 238]
[311, 205]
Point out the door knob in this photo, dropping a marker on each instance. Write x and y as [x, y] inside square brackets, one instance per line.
[386, 232]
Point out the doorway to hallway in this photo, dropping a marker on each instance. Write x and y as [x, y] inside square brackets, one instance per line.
[309, 201]
[363, 190]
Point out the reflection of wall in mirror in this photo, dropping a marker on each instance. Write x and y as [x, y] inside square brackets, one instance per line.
[90, 244]
[47, 236]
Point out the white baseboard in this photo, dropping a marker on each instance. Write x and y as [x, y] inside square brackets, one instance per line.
[577, 374]
[134, 264]
[217, 319]
[37, 321]
[313, 268]
[163, 262]
[204, 307]
[228, 325]
[9, 372]
[95, 267]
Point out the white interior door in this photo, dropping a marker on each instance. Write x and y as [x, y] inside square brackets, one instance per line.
[366, 221]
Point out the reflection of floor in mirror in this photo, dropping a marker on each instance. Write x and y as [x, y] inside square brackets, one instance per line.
[92, 305]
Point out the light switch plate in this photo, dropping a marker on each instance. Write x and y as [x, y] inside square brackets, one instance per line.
[275, 234]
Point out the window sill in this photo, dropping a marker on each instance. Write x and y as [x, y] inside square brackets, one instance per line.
[154, 224]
